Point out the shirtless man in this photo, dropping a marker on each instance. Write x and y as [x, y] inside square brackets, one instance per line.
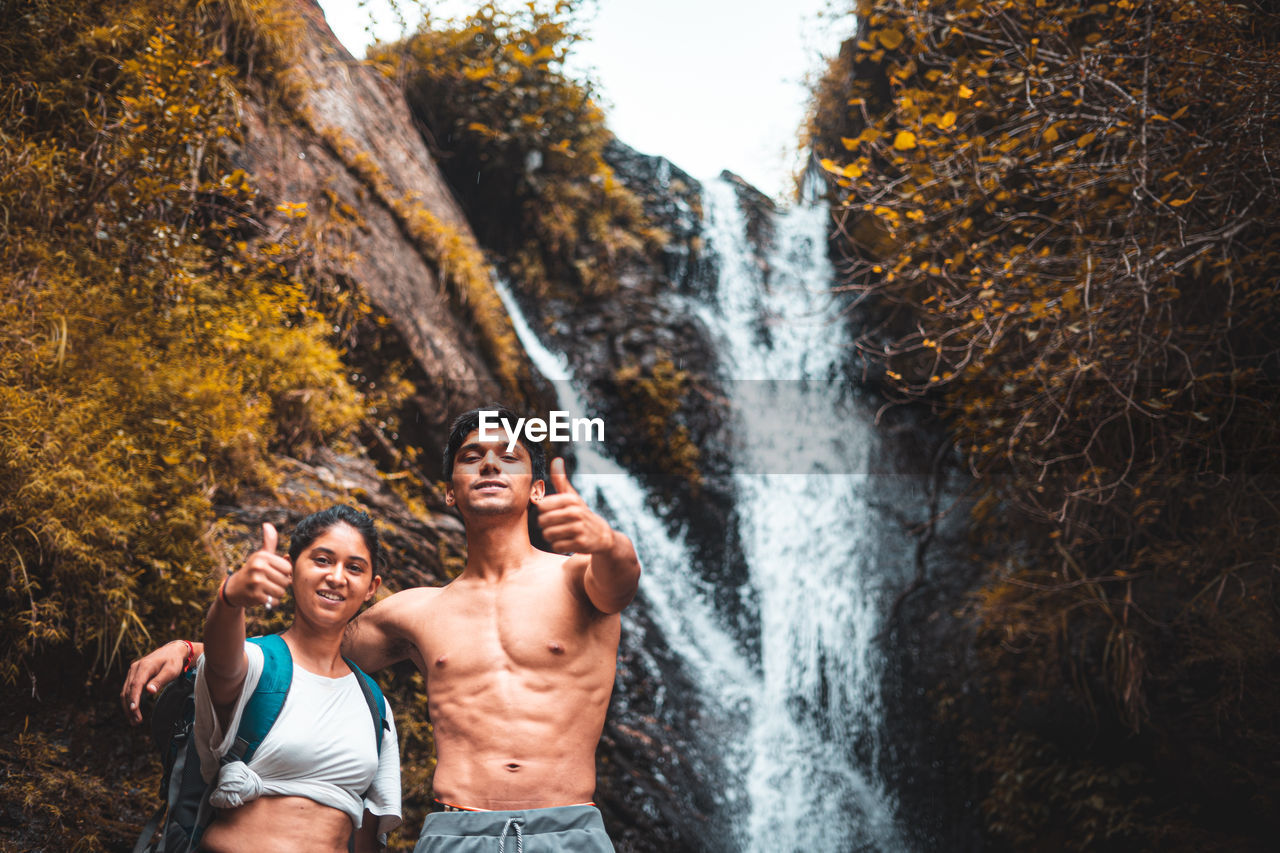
[518, 652]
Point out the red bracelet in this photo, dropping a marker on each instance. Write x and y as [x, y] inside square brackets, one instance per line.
[191, 655]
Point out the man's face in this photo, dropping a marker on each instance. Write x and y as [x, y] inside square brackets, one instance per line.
[488, 479]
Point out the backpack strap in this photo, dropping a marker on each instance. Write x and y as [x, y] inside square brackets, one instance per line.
[264, 706]
[149, 831]
[373, 698]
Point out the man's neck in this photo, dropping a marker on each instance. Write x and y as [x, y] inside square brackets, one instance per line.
[497, 547]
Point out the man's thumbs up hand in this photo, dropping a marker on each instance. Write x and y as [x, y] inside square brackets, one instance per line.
[568, 524]
[560, 480]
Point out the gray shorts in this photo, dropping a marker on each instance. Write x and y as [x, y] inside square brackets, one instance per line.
[562, 829]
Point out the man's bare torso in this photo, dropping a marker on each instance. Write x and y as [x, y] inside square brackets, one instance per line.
[519, 671]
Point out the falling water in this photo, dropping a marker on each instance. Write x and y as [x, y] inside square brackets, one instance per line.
[811, 536]
[678, 601]
[798, 727]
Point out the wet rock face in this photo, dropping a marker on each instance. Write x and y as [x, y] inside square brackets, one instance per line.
[927, 650]
[351, 106]
[758, 210]
[674, 200]
[644, 321]
[653, 788]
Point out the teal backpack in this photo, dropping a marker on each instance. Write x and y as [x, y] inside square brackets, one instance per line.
[178, 822]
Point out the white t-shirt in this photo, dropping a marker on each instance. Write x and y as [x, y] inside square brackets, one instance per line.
[321, 747]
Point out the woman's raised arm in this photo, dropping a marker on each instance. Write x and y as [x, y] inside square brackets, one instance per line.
[262, 579]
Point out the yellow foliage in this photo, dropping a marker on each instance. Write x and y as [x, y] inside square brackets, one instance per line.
[150, 356]
[653, 400]
[458, 261]
[1066, 231]
[525, 154]
[164, 332]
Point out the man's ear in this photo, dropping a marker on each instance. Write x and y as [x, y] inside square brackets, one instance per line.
[538, 491]
[448, 495]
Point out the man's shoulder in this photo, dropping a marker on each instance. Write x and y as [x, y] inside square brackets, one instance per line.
[568, 571]
[569, 566]
[403, 603]
[564, 562]
[412, 597]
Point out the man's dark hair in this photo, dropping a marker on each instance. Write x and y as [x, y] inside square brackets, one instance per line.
[464, 423]
[317, 524]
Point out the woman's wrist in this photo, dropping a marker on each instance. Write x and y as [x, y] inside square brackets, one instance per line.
[222, 595]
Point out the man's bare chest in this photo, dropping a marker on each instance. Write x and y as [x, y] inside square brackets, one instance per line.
[478, 632]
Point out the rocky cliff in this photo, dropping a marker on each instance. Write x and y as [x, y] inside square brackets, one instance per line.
[388, 226]
[358, 148]
[343, 181]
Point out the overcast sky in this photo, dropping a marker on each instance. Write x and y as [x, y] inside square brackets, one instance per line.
[709, 84]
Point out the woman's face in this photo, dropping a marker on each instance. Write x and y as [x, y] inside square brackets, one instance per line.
[333, 576]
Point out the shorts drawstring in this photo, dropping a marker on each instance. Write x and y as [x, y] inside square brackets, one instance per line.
[502, 839]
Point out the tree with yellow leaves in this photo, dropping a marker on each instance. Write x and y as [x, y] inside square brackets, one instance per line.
[1064, 220]
[522, 145]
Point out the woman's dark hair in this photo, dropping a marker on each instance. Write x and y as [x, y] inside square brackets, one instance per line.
[317, 524]
[464, 423]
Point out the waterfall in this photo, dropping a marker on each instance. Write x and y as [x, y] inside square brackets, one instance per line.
[670, 589]
[805, 445]
[797, 728]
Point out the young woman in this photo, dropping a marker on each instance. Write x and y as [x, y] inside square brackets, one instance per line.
[319, 772]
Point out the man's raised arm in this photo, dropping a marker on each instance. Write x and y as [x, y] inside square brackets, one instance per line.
[153, 672]
[374, 639]
[378, 637]
[612, 574]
